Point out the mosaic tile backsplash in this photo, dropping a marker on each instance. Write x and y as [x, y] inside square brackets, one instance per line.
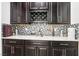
[33, 29]
[45, 29]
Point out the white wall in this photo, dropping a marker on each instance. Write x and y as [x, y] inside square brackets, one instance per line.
[0, 32]
[5, 17]
[74, 12]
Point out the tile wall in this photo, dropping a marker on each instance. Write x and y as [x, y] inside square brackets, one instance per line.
[46, 29]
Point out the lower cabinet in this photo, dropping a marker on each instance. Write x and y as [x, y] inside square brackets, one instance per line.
[64, 48]
[13, 50]
[43, 51]
[63, 52]
[71, 51]
[30, 51]
[36, 51]
[39, 48]
[12, 47]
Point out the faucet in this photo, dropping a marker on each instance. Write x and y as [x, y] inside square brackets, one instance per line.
[40, 31]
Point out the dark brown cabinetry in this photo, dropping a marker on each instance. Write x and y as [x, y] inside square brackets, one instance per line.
[36, 51]
[13, 48]
[38, 5]
[63, 12]
[64, 49]
[19, 12]
[43, 51]
[59, 12]
[55, 12]
[39, 48]
[30, 51]
[52, 13]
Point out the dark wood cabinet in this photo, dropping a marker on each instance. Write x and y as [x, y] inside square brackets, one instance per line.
[59, 13]
[72, 51]
[12, 48]
[6, 50]
[38, 5]
[30, 51]
[19, 12]
[63, 12]
[36, 50]
[64, 49]
[43, 51]
[55, 12]
[52, 13]
[58, 51]
[39, 48]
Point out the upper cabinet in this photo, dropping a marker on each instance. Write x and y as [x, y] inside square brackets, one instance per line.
[38, 5]
[53, 12]
[59, 12]
[63, 12]
[19, 12]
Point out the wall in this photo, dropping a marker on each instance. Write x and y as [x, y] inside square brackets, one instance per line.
[5, 12]
[74, 12]
[0, 32]
[75, 15]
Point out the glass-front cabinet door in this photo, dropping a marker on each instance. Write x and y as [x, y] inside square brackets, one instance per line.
[38, 5]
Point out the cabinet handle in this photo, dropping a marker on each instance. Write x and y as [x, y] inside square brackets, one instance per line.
[35, 51]
[36, 43]
[43, 48]
[64, 44]
[12, 50]
[12, 41]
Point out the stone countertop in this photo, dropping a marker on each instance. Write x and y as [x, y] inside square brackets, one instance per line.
[32, 37]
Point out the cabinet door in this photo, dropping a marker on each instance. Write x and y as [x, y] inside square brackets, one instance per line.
[54, 12]
[13, 11]
[6, 51]
[18, 50]
[63, 12]
[71, 52]
[30, 51]
[58, 52]
[19, 11]
[10, 50]
[38, 5]
[16, 12]
[64, 51]
[43, 51]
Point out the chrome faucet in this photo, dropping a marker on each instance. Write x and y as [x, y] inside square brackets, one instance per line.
[40, 31]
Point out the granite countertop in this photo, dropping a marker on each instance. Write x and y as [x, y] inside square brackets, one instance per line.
[32, 37]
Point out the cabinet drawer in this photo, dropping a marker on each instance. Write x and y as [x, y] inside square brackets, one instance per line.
[64, 43]
[36, 42]
[12, 41]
